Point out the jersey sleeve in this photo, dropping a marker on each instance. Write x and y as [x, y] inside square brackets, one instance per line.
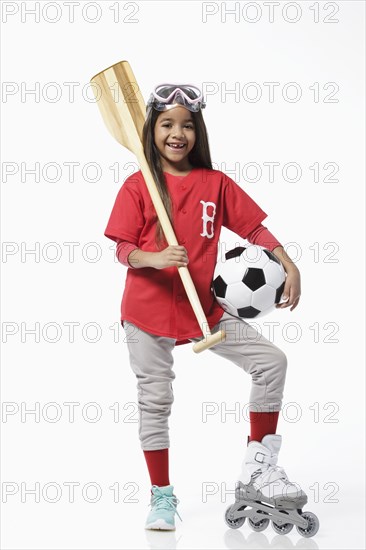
[126, 220]
[123, 250]
[241, 213]
[261, 236]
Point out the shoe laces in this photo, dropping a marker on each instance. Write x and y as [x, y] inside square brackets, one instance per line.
[164, 502]
[273, 473]
[281, 473]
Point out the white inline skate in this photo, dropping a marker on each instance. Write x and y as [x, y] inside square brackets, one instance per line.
[264, 493]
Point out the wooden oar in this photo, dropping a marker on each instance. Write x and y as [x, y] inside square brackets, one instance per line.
[123, 110]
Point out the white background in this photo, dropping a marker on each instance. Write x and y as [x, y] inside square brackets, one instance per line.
[322, 423]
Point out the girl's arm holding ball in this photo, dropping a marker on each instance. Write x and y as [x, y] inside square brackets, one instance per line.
[292, 290]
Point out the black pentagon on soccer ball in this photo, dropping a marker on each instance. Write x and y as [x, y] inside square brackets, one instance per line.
[220, 287]
[279, 292]
[235, 252]
[271, 256]
[248, 312]
[254, 278]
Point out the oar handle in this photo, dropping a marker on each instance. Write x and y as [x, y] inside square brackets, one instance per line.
[210, 341]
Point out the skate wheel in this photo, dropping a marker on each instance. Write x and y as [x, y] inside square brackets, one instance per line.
[284, 528]
[260, 525]
[234, 523]
[313, 526]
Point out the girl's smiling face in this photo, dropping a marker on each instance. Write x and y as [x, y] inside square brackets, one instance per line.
[174, 136]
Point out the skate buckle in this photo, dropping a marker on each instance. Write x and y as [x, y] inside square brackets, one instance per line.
[263, 457]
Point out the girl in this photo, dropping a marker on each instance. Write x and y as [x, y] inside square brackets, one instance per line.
[155, 311]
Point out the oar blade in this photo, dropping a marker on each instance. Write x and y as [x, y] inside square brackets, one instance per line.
[121, 104]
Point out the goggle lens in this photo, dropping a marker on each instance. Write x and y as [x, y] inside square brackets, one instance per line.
[167, 96]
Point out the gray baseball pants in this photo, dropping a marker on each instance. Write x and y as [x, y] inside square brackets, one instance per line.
[151, 360]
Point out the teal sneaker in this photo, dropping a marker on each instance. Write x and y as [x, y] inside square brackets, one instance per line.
[163, 508]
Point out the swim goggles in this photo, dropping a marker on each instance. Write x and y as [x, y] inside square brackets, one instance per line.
[187, 95]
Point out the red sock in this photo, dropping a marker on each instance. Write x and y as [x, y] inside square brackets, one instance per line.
[158, 466]
[261, 424]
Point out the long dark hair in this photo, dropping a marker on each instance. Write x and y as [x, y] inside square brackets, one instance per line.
[199, 157]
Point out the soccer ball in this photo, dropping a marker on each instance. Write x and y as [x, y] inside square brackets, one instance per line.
[249, 282]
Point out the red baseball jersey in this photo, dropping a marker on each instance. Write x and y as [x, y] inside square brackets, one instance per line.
[202, 201]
